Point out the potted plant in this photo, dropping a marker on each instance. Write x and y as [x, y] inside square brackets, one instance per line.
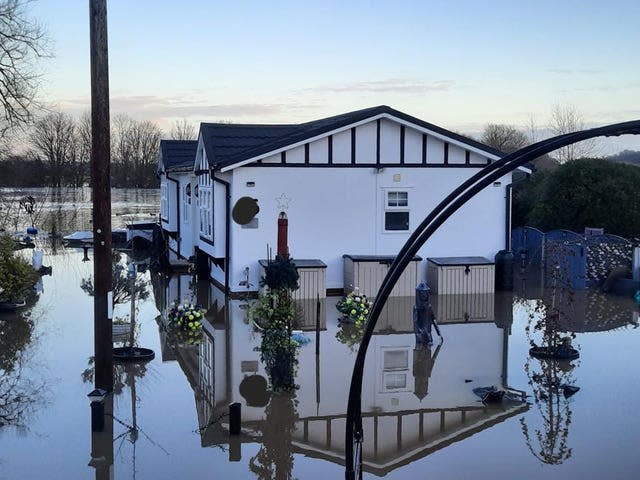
[186, 320]
[17, 277]
[355, 309]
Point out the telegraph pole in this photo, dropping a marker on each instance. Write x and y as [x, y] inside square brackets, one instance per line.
[101, 188]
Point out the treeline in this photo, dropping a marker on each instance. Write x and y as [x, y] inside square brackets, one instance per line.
[581, 193]
[626, 156]
[58, 149]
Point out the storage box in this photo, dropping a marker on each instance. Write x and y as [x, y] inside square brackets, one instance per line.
[313, 278]
[460, 275]
[366, 272]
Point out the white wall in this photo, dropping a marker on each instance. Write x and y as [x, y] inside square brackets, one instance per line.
[336, 211]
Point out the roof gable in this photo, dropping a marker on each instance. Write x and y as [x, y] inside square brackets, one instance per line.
[232, 145]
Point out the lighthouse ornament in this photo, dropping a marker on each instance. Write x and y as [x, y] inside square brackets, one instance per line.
[283, 242]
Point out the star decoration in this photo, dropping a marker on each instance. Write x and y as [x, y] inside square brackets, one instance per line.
[283, 202]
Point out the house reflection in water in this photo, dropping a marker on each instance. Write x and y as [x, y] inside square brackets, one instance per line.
[415, 400]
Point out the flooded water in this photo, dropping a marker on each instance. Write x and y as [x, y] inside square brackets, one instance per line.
[421, 418]
[65, 210]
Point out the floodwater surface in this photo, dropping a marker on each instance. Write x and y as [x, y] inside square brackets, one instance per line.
[421, 418]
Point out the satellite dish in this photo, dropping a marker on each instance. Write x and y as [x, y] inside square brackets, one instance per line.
[244, 210]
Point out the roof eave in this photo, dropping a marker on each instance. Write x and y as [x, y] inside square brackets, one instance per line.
[418, 124]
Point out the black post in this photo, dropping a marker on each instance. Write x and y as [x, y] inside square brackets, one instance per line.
[101, 185]
[318, 326]
[235, 418]
[102, 442]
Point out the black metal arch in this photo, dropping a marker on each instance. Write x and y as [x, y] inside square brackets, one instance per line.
[423, 232]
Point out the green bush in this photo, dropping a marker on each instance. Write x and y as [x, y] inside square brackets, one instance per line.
[17, 277]
[281, 273]
[581, 193]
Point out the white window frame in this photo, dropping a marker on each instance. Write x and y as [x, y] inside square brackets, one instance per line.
[164, 201]
[395, 378]
[396, 205]
[186, 202]
[205, 206]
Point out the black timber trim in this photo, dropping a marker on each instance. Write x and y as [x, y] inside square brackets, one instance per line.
[378, 142]
[353, 146]
[201, 172]
[306, 153]
[283, 157]
[304, 131]
[206, 240]
[424, 148]
[467, 157]
[369, 165]
[164, 220]
[402, 134]
[330, 150]
[446, 153]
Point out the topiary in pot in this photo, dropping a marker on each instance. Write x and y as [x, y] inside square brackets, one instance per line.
[17, 277]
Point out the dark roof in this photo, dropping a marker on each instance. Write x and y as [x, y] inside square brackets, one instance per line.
[178, 154]
[228, 143]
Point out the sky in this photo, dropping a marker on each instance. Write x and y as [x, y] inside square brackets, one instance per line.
[458, 64]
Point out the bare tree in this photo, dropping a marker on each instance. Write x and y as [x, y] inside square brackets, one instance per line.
[54, 138]
[83, 149]
[567, 119]
[22, 41]
[505, 138]
[135, 150]
[183, 130]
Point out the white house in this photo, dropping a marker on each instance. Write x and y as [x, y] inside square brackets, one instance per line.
[355, 184]
[177, 200]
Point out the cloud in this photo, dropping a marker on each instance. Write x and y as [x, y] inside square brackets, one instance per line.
[390, 85]
[575, 71]
[152, 107]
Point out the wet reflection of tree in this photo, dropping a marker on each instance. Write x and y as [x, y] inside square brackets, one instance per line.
[18, 394]
[274, 460]
[124, 375]
[121, 285]
[551, 382]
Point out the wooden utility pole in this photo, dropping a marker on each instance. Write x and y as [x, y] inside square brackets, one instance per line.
[101, 183]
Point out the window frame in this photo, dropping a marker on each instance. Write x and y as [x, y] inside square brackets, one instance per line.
[398, 208]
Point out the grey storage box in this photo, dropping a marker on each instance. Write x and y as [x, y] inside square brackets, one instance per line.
[460, 275]
[366, 272]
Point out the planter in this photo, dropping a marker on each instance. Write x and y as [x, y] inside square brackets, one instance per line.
[133, 355]
[11, 306]
[554, 353]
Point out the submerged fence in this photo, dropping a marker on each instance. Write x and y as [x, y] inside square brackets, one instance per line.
[571, 259]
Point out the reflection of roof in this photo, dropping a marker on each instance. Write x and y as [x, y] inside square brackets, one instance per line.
[469, 421]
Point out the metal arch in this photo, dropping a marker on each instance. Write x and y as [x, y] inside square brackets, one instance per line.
[423, 232]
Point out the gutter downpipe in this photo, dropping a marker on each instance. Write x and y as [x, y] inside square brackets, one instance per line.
[177, 210]
[227, 234]
[508, 217]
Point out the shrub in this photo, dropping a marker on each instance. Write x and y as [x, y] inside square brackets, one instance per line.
[17, 277]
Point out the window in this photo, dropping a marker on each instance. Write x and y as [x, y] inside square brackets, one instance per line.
[395, 365]
[205, 204]
[186, 203]
[203, 192]
[396, 214]
[164, 201]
